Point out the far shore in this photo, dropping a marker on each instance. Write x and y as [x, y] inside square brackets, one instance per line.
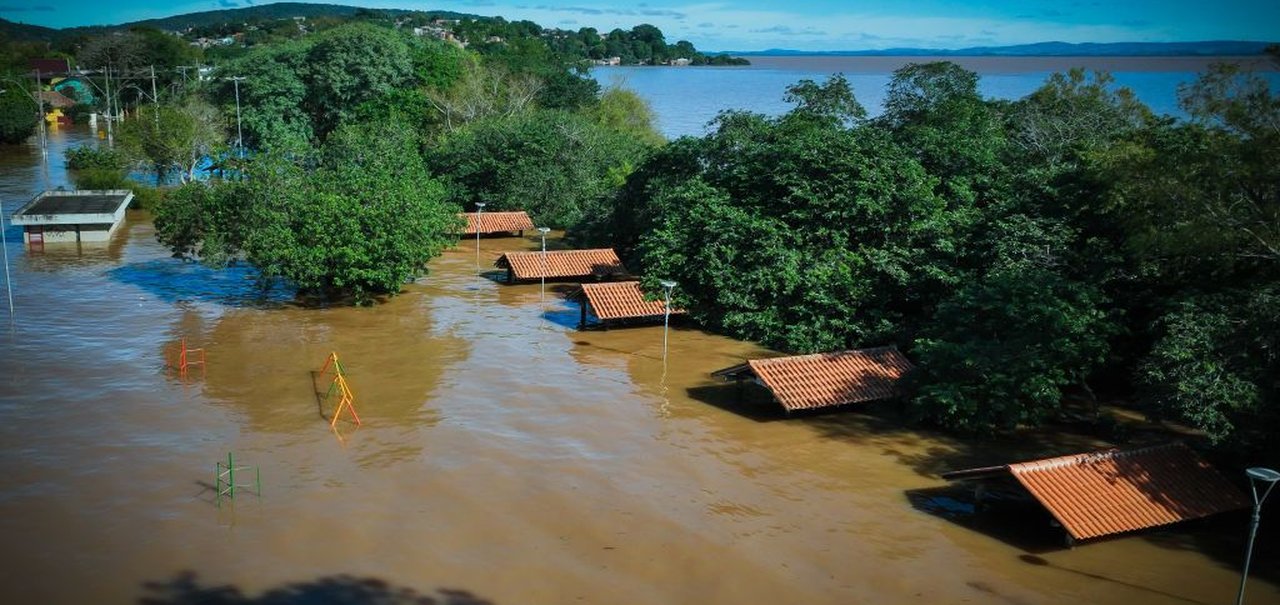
[990, 64]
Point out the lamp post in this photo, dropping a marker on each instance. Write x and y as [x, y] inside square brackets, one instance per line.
[1269, 478]
[543, 294]
[667, 286]
[479, 215]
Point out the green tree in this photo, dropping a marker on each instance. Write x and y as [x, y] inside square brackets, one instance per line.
[18, 117]
[1209, 368]
[935, 110]
[1001, 349]
[174, 137]
[349, 66]
[484, 92]
[205, 221]
[272, 93]
[554, 164]
[802, 233]
[353, 223]
[832, 100]
[623, 111]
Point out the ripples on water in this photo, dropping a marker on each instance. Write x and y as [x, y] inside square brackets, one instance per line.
[502, 452]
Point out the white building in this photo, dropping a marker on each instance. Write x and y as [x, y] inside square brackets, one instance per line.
[72, 216]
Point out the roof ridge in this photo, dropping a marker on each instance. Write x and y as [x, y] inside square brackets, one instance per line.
[1111, 453]
[865, 351]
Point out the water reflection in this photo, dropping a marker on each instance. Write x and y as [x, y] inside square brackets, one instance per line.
[176, 281]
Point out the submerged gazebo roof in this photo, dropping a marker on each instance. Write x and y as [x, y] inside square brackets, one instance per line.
[74, 207]
[1115, 491]
[826, 379]
[561, 264]
[621, 300]
[496, 222]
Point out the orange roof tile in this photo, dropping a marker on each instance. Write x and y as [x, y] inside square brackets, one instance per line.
[562, 263]
[1115, 491]
[623, 300]
[497, 222]
[827, 379]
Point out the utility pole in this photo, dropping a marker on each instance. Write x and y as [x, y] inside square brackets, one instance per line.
[239, 132]
[155, 101]
[4, 243]
[44, 135]
[110, 116]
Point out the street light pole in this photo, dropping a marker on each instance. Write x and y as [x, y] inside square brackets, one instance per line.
[543, 294]
[479, 215]
[668, 286]
[1256, 475]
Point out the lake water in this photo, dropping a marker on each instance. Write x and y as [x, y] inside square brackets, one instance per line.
[687, 98]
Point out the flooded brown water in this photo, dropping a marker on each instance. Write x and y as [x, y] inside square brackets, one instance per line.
[504, 458]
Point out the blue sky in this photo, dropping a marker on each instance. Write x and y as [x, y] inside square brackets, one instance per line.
[805, 25]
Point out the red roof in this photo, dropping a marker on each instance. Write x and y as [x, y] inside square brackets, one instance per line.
[497, 222]
[827, 379]
[49, 67]
[562, 263]
[1115, 491]
[623, 300]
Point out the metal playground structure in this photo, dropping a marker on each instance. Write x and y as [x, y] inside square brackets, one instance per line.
[225, 479]
[346, 399]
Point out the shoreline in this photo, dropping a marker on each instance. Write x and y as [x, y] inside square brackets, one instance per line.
[988, 64]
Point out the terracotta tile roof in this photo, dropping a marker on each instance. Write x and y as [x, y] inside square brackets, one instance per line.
[497, 222]
[827, 379]
[622, 300]
[56, 99]
[562, 263]
[1115, 491]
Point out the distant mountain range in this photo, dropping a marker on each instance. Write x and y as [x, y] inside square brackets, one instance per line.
[1044, 49]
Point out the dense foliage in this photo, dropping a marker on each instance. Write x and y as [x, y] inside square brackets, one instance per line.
[356, 221]
[641, 45]
[173, 138]
[18, 116]
[1070, 241]
[554, 164]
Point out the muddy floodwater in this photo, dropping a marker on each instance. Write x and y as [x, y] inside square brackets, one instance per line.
[504, 458]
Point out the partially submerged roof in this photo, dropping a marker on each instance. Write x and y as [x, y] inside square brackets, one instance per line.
[826, 379]
[622, 300]
[562, 264]
[496, 222]
[1115, 491]
[74, 207]
[56, 99]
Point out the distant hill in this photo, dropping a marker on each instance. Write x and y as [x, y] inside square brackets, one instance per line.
[23, 32]
[281, 10]
[1210, 48]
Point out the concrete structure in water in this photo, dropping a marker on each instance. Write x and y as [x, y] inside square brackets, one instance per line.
[55, 217]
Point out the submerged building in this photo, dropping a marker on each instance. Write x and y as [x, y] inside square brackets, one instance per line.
[55, 217]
